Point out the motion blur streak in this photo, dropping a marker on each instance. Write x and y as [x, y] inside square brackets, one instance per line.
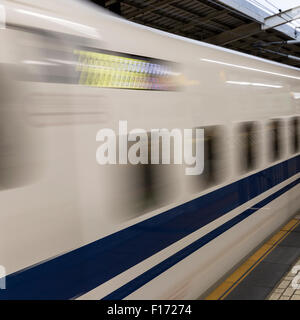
[71, 228]
[250, 69]
[65, 23]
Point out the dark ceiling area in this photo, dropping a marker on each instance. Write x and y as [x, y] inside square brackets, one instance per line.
[209, 21]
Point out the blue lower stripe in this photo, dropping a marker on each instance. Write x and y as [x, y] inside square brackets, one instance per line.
[81, 270]
[147, 276]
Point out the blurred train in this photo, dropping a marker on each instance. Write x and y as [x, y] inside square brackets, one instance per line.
[73, 229]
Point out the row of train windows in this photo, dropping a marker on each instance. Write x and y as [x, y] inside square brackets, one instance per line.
[155, 182]
[249, 134]
[248, 143]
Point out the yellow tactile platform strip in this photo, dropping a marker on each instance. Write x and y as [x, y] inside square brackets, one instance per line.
[222, 291]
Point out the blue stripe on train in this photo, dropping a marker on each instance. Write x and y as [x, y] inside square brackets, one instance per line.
[79, 271]
[152, 273]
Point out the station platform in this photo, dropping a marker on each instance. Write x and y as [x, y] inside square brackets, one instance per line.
[271, 273]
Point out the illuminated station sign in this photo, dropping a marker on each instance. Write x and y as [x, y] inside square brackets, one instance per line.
[113, 70]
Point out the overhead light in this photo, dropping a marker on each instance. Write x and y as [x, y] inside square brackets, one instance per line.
[251, 69]
[255, 84]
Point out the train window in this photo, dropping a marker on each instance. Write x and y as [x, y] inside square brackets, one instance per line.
[275, 139]
[58, 58]
[149, 186]
[295, 132]
[157, 181]
[213, 155]
[140, 188]
[248, 146]
[214, 160]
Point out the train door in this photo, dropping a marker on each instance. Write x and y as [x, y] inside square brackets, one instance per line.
[39, 189]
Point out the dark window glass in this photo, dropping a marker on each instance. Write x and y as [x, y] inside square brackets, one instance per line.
[157, 180]
[142, 188]
[275, 136]
[211, 146]
[248, 146]
[214, 162]
[295, 143]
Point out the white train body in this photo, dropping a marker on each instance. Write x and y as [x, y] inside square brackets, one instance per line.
[71, 228]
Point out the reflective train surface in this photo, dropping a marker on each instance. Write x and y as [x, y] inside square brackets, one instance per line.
[73, 229]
